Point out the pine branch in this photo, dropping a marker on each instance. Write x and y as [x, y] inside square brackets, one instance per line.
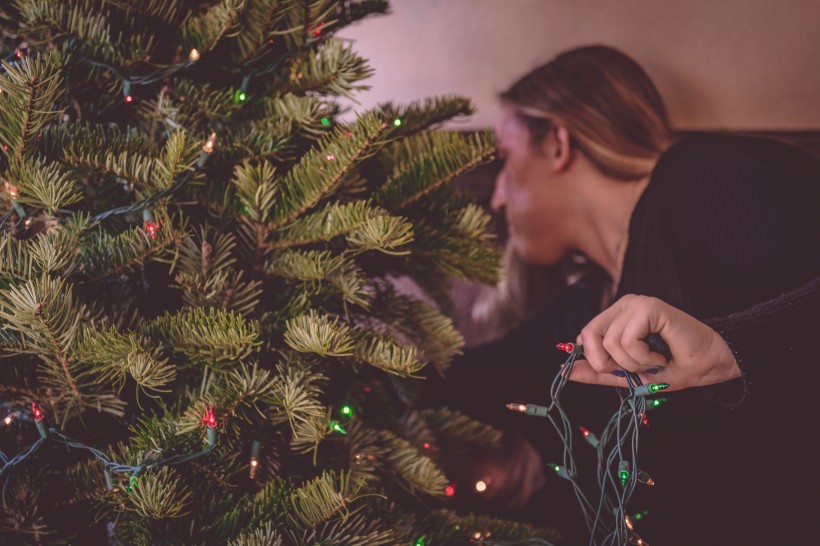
[209, 277]
[334, 69]
[386, 353]
[322, 498]
[356, 530]
[446, 527]
[456, 431]
[206, 336]
[206, 30]
[384, 233]
[45, 313]
[316, 176]
[433, 332]
[256, 23]
[321, 226]
[268, 505]
[104, 255]
[31, 87]
[445, 159]
[419, 471]
[158, 494]
[44, 186]
[266, 535]
[114, 354]
[320, 334]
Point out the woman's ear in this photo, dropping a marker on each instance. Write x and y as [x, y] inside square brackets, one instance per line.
[560, 149]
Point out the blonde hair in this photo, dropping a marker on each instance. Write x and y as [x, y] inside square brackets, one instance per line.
[606, 101]
[615, 116]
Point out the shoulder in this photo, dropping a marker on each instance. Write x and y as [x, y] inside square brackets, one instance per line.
[708, 162]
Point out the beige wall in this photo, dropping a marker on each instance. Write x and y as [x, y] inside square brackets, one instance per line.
[720, 64]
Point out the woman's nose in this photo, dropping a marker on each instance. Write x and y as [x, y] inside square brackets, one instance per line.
[498, 199]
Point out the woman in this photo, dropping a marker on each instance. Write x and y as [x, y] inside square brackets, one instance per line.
[713, 242]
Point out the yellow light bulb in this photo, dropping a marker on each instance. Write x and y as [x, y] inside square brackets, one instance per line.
[7, 420]
[480, 486]
[12, 189]
[193, 55]
[209, 144]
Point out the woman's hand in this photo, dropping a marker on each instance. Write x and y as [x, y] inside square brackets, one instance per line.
[613, 342]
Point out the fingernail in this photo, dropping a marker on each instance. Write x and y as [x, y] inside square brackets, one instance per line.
[619, 373]
[655, 370]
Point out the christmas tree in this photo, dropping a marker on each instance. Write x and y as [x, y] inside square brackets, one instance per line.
[201, 337]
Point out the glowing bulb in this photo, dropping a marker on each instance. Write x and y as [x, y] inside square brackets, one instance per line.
[325, 122]
[11, 188]
[655, 387]
[8, 419]
[336, 427]
[209, 144]
[585, 432]
[397, 122]
[480, 486]
[426, 445]
[477, 535]
[193, 56]
[38, 414]
[151, 228]
[517, 407]
[129, 99]
[628, 523]
[330, 157]
[450, 490]
[209, 419]
[568, 347]
[346, 410]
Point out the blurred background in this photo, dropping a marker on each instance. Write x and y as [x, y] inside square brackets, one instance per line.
[735, 65]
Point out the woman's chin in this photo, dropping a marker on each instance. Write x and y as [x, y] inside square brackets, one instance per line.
[538, 256]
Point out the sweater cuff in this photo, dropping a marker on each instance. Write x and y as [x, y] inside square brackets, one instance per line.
[734, 393]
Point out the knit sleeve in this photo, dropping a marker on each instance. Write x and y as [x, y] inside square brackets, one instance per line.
[774, 342]
[751, 207]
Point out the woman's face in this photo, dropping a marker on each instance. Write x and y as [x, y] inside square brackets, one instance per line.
[532, 193]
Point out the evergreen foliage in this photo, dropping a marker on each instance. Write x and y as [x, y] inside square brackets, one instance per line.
[149, 272]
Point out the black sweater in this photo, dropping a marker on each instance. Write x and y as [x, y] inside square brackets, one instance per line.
[727, 230]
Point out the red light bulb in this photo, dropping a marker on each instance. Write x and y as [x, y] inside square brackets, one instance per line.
[151, 228]
[38, 414]
[585, 432]
[450, 490]
[209, 419]
[426, 445]
[568, 347]
[129, 99]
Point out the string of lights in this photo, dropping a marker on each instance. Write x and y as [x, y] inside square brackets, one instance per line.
[618, 473]
[110, 466]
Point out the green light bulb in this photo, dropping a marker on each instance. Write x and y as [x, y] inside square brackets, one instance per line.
[420, 541]
[325, 122]
[240, 97]
[657, 402]
[655, 387]
[336, 427]
[623, 475]
[346, 410]
[555, 467]
[397, 122]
